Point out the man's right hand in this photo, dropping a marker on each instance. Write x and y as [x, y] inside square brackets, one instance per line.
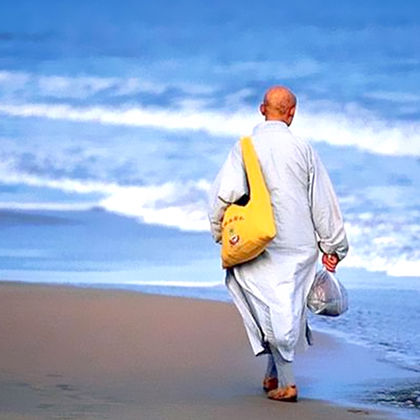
[330, 262]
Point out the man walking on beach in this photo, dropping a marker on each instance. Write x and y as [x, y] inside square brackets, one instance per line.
[270, 291]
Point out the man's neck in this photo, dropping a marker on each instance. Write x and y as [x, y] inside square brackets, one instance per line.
[280, 119]
[276, 120]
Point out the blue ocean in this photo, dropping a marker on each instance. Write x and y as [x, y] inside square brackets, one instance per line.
[116, 116]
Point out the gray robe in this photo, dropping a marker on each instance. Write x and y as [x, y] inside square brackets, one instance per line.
[270, 291]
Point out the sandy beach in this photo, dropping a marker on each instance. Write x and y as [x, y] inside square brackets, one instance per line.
[74, 353]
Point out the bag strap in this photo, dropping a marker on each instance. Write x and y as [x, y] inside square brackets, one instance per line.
[257, 188]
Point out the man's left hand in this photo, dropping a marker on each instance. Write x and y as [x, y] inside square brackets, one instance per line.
[330, 262]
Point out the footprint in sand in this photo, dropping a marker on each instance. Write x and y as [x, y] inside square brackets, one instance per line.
[65, 387]
[357, 411]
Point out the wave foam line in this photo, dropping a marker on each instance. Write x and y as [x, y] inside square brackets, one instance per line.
[184, 206]
[342, 129]
[85, 86]
[171, 204]
[47, 206]
[393, 267]
[175, 283]
[213, 123]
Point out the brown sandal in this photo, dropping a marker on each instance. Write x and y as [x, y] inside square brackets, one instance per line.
[286, 394]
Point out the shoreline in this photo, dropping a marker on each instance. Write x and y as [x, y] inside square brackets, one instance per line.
[93, 352]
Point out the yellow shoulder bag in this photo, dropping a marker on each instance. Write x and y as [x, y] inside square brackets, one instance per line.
[246, 230]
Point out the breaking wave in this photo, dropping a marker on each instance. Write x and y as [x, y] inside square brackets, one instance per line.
[343, 129]
[172, 204]
[193, 109]
[375, 245]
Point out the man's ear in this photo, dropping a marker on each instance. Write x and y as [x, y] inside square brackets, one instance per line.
[262, 109]
[292, 111]
[290, 115]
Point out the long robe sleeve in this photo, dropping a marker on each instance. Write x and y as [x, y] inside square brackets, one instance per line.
[229, 186]
[326, 214]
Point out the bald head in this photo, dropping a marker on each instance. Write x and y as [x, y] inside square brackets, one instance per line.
[279, 104]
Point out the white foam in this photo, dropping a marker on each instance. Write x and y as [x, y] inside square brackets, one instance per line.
[63, 184]
[393, 266]
[164, 204]
[367, 133]
[341, 128]
[176, 283]
[184, 206]
[174, 204]
[82, 87]
[182, 119]
[112, 278]
[46, 206]
[370, 248]
[337, 124]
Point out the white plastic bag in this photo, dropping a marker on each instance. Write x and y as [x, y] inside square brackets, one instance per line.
[327, 295]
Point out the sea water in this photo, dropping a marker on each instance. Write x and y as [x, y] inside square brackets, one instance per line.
[100, 249]
[115, 119]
